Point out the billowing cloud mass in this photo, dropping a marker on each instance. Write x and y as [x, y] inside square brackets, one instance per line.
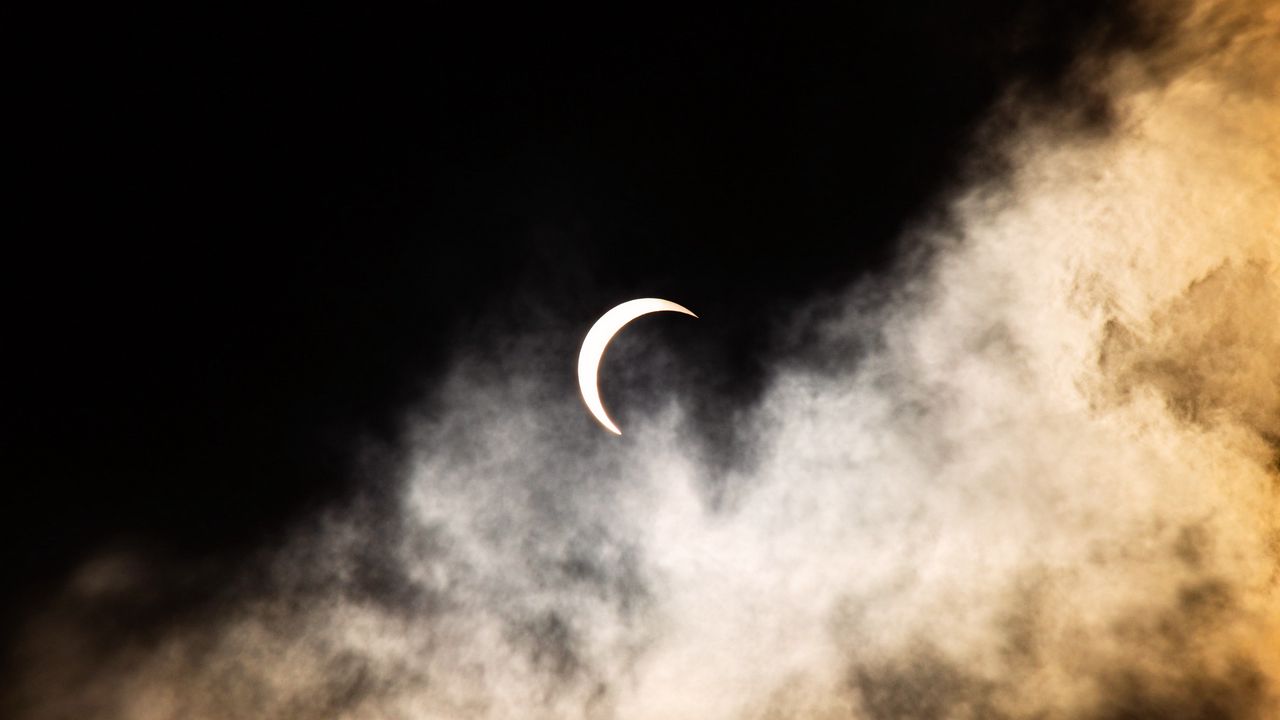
[1034, 473]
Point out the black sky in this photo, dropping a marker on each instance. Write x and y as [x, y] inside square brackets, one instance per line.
[249, 244]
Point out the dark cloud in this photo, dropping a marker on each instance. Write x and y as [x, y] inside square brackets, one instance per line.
[1170, 672]
[1211, 364]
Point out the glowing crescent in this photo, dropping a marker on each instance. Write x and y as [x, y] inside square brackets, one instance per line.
[593, 347]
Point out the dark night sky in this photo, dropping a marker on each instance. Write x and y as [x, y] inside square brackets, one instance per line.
[249, 244]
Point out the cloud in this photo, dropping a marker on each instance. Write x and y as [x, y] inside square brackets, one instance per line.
[1032, 476]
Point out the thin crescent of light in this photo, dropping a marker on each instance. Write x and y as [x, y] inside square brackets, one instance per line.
[598, 337]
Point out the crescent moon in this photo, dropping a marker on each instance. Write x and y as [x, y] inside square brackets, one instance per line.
[593, 347]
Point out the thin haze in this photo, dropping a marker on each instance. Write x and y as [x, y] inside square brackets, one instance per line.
[1045, 484]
